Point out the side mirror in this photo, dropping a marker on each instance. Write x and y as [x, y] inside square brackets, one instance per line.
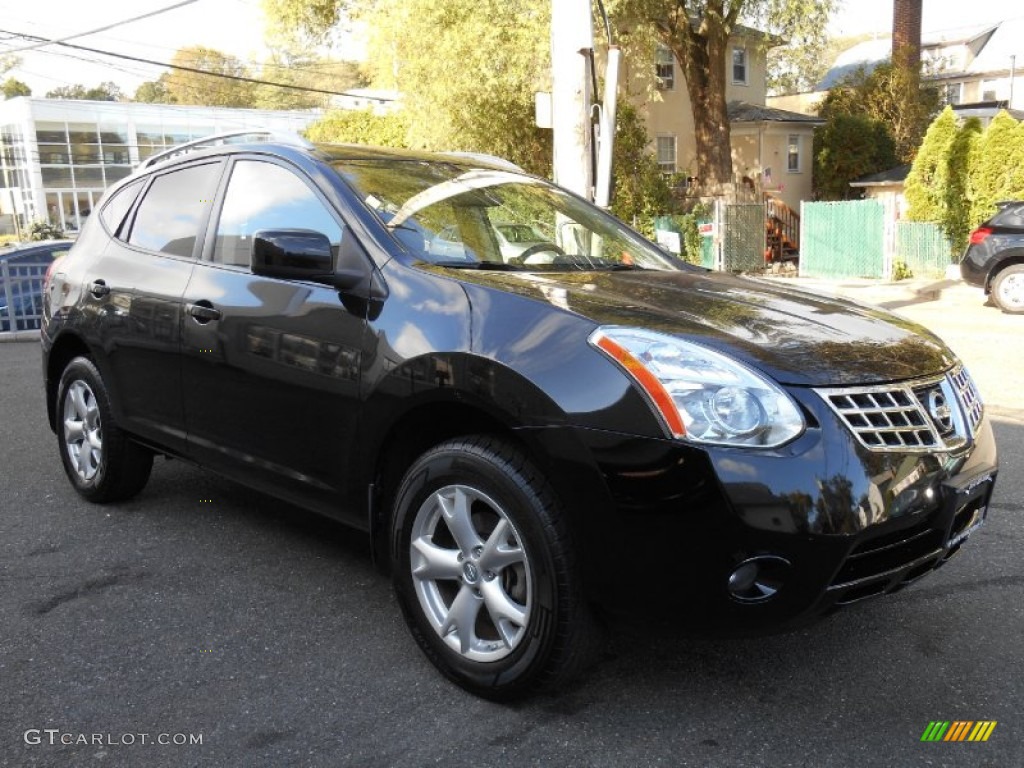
[292, 254]
[302, 254]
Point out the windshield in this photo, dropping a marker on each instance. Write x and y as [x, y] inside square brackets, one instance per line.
[473, 218]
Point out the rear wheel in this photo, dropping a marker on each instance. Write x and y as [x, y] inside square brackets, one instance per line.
[101, 462]
[485, 573]
[1008, 289]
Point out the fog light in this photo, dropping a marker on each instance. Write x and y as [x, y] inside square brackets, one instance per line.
[758, 579]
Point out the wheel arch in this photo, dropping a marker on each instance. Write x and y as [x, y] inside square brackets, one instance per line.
[1010, 257]
[554, 448]
[411, 434]
[65, 348]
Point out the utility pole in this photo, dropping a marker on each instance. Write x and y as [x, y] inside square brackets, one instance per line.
[572, 40]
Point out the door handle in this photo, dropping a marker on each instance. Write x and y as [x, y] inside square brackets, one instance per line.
[99, 289]
[203, 312]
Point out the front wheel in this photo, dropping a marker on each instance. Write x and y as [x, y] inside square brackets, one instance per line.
[1008, 289]
[485, 573]
[101, 462]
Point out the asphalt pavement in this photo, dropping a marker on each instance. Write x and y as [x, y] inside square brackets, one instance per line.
[203, 611]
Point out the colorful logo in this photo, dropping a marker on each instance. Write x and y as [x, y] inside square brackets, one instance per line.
[958, 730]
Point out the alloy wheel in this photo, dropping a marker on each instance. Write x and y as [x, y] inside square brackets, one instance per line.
[83, 436]
[471, 573]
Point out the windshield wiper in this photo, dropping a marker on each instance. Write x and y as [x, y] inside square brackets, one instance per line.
[494, 266]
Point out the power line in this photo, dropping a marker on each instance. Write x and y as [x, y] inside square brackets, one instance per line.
[104, 28]
[184, 68]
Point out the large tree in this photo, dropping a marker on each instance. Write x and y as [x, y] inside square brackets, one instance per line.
[12, 87]
[106, 91]
[846, 148]
[154, 92]
[302, 69]
[467, 69]
[697, 32]
[891, 96]
[221, 89]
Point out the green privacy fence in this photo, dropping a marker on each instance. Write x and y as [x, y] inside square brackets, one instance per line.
[845, 239]
[923, 247]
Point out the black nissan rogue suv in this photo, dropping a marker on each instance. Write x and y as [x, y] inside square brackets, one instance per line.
[525, 434]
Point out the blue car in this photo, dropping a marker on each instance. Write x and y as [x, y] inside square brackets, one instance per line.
[22, 268]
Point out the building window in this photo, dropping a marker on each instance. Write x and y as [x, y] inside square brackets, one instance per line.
[667, 154]
[989, 90]
[664, 68]
[793, 154]
[739, 65]
[954, 93]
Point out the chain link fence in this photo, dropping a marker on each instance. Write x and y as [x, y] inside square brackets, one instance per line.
[923, 247]
[743, 237]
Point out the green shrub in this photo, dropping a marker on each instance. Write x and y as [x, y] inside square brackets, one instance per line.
[925, 201]
[44, 230]
[901, 271]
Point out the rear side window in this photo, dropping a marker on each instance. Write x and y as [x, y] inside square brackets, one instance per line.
[1010, 216]
[170, 215]
[113, 212]
[266, 196]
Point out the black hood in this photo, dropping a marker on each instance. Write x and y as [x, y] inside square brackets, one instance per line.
[795, 337]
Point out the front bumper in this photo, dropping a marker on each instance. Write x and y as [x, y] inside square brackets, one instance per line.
[826, 520]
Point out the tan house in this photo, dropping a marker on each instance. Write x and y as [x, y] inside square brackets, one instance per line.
[771, 148]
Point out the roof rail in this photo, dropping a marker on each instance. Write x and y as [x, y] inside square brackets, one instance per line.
[222, 138]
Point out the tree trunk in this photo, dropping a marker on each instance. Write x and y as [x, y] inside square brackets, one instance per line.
[701, 56]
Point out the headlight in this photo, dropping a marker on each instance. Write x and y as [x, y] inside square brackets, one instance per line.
[700, 394]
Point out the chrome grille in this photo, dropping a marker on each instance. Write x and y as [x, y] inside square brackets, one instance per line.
[916, 416]
[969, 396]
[888, 418]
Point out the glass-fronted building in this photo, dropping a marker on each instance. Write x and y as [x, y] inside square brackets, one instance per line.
[58, 156]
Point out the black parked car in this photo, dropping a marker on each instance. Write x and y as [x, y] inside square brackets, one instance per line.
[994, 258]
[526, 438]
[22, 268]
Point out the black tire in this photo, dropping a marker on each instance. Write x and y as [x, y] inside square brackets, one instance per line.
[1008, 289]
[556, 637]
[101, 462]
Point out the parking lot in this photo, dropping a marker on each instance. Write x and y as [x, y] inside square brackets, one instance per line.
[202, 608]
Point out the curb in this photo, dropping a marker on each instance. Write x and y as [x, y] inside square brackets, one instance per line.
[10, 337]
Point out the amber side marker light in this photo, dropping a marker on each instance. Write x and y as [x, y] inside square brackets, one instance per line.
[648, 382]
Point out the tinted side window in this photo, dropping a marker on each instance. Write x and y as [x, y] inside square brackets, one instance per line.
[266, 196]
[115, 208]
[1010, 216]
[171, 213]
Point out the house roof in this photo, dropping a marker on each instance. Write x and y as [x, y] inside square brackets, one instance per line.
[742, 112]
[1004, 43]
[986, 110]
[868, 54]
[995, 44]
[895, 175]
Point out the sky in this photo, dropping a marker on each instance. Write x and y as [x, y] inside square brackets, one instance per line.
[231, 26]
[237, 27]
[857, 17]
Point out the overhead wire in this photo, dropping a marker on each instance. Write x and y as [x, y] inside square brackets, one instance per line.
[181, 67]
